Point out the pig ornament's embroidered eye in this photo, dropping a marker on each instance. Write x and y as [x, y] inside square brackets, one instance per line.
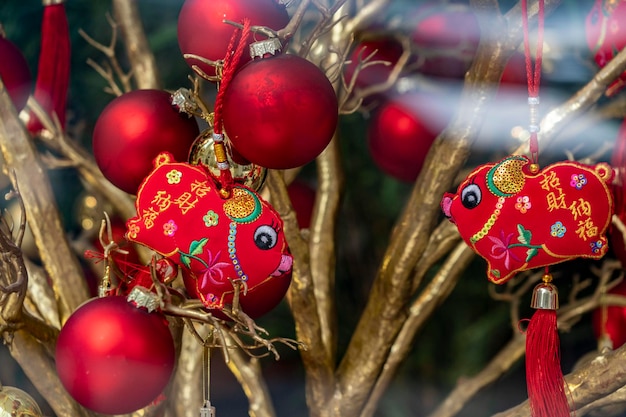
[265, 237]
[471, 196]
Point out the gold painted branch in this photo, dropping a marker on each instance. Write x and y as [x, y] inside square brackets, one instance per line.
[42, 212]
[144, 67]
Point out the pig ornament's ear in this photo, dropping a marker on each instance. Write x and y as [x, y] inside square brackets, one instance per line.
[507, 178]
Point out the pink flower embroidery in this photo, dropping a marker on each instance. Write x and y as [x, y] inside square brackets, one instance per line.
[523, 204]
[170, 228]
[501, 248]
[213, 274]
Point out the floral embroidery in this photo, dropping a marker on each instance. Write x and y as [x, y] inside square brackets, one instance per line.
[557, 230]
[133, 229]
[523, 204]
[502, 248]
[210, 218]
[578, 181]
[213, 273]
[170, 228]
[211, 298]
[174, 176]
[596, 246]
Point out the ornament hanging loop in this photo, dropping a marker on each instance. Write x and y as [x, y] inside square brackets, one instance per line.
[533, 77]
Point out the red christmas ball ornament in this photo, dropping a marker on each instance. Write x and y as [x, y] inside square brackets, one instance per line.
[402, 131]
[113, 357]
[388, 50]
[605, 29]
[445, 38]
[203, 32]
[302, 197]
[610, 321]
[280, 112]
[133, 129]
[14, 73]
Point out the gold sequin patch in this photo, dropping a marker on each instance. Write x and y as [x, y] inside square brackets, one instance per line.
[241, 205]
[508, 176]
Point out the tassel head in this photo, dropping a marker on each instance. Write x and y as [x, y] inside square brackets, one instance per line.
[544, 377]
[545, 296]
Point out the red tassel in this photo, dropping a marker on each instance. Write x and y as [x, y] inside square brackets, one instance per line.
[53, 73]
[544, 378]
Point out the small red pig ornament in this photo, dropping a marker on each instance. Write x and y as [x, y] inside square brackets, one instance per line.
[519, 218]
[216, 240]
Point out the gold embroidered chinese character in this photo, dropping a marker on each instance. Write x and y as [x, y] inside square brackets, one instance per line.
[550, 181]
[580, 208]
[149, 215]
[200, 188]
[586, 229]
[556, 201]
[162, 200]
[185, 203]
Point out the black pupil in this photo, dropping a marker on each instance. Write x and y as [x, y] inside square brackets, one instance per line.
[470, 200]
[264, 241]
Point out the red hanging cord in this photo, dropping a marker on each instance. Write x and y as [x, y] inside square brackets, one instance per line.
[533, 74]
[235, 49]
[544, 377]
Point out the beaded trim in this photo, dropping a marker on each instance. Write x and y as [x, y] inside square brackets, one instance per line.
[232, 252]
[489, 224]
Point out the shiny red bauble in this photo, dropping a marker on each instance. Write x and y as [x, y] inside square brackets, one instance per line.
[133, 129]
[402, 131]
[381, 54]
[14, 73]
[202, 31]
[113, 357]
[611, 320]
[605, 29]
[445, 38]
[280, 112]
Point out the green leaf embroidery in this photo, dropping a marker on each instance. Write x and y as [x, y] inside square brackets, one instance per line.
[530, 253]
[495, 273]
[524, 235]
[186, 260]
[197, 246]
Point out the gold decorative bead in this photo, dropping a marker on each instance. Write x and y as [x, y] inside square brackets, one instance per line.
[534, 168]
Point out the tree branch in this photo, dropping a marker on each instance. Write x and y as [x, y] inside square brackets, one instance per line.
[303, 303]
[421, 309]
[142, 61]
[41, 210]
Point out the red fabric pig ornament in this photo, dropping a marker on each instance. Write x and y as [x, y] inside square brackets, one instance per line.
[518, 219]
[216, 240]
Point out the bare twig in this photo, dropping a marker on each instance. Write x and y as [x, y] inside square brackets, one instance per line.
[109, 52]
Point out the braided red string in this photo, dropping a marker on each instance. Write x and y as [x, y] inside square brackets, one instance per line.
[235, 49]
[236, 46]
[533, 75]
